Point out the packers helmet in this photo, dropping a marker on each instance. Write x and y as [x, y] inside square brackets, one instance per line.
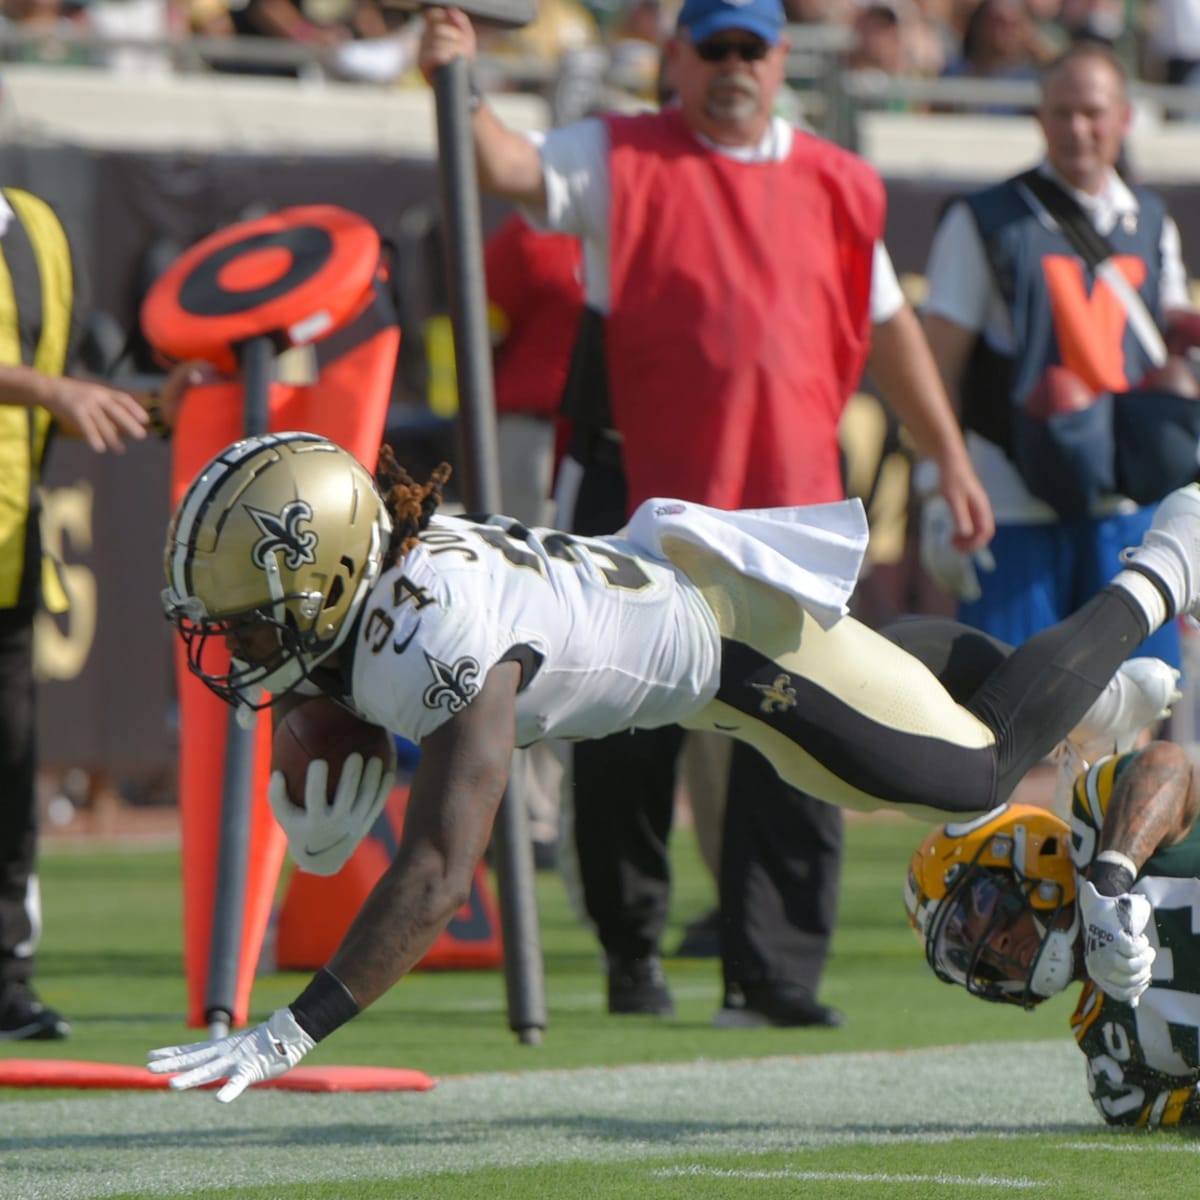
[269, 558]
[970, 883]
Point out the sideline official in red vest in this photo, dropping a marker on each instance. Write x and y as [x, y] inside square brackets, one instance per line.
[736, 286]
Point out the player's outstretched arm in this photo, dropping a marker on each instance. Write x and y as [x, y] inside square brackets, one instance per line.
[456, 791]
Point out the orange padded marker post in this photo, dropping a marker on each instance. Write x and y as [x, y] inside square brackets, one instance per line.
[301, 275]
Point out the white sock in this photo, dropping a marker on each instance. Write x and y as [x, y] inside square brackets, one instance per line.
[1149, 599]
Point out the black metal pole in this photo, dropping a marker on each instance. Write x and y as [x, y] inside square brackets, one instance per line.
[463, 226]
[233, 850]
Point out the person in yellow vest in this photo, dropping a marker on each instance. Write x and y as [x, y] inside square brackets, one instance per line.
[39, 329]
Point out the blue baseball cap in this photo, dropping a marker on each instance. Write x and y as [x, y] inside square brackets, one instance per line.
[703, 18]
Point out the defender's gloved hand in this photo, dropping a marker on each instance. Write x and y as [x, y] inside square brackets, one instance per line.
[1117, 951]
[243, 1058]
[951, 569]
[323, 834]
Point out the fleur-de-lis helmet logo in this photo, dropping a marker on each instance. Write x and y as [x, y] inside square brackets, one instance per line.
[281, 533]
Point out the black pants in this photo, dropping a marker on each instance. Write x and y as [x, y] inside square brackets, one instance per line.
[18, 808]
[781, 849]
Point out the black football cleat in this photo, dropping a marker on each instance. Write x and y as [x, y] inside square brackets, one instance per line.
[638, 986]
[23, 1017]
[758, 1007]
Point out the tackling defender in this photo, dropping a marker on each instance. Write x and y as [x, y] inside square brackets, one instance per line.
[1016, 906]
[471, 637]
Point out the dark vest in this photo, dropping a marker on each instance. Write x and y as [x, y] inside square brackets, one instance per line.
[1060, 316]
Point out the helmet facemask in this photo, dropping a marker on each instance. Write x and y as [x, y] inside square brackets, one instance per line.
[968, 940]
[246, 658]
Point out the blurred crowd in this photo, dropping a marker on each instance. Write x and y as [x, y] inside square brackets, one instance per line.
[614, 42]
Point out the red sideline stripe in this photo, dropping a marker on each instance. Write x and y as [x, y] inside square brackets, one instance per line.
[74, 1073]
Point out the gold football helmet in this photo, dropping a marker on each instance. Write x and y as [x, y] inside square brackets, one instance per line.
[971, 883]
[269, 558]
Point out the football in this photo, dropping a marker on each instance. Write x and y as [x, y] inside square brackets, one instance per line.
[322, 728]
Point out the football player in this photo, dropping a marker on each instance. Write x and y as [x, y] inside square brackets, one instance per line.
[472, 636]
[1017, 905]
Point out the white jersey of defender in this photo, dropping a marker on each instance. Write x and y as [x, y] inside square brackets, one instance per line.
[612, 637]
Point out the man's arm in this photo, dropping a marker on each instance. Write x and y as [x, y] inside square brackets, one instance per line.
[455, 794]
[1154, 805]
[509, 164]
[101, 415]
[902, 364]
[456, 791]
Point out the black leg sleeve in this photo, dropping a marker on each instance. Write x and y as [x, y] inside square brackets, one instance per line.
[1040, 692]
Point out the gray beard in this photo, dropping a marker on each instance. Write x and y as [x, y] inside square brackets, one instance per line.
[731, 105]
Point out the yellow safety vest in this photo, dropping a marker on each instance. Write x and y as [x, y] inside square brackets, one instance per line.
[37, 296]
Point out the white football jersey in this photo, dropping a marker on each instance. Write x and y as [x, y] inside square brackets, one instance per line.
[610, 636]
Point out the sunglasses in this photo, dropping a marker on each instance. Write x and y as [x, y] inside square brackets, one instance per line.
[713, 51]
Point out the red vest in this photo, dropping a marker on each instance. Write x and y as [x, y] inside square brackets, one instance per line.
[739, 313]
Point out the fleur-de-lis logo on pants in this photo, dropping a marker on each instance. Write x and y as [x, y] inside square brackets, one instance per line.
[778, 695]
[453, 687]
[281, 532]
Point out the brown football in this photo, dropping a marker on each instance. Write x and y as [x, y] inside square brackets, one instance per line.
[322, 728]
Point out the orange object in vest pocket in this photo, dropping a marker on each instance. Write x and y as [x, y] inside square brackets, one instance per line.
[1058, 391]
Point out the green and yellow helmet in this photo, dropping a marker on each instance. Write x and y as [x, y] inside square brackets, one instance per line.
[969, 883]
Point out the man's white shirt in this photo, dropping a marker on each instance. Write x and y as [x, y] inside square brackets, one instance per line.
[575, 170]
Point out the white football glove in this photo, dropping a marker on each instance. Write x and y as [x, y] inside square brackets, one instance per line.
[1117, 951]
[948, 567]
[243, 1058]
[323, 834]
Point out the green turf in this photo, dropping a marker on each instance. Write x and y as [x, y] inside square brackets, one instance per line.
[925, 1093]
[112, 961]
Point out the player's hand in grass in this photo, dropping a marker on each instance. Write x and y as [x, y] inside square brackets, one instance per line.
[243, 1058]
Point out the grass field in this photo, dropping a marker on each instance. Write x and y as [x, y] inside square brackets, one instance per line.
[924, 1093]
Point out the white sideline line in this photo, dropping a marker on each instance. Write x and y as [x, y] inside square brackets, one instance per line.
[1142, 1145]
[990, 1181]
